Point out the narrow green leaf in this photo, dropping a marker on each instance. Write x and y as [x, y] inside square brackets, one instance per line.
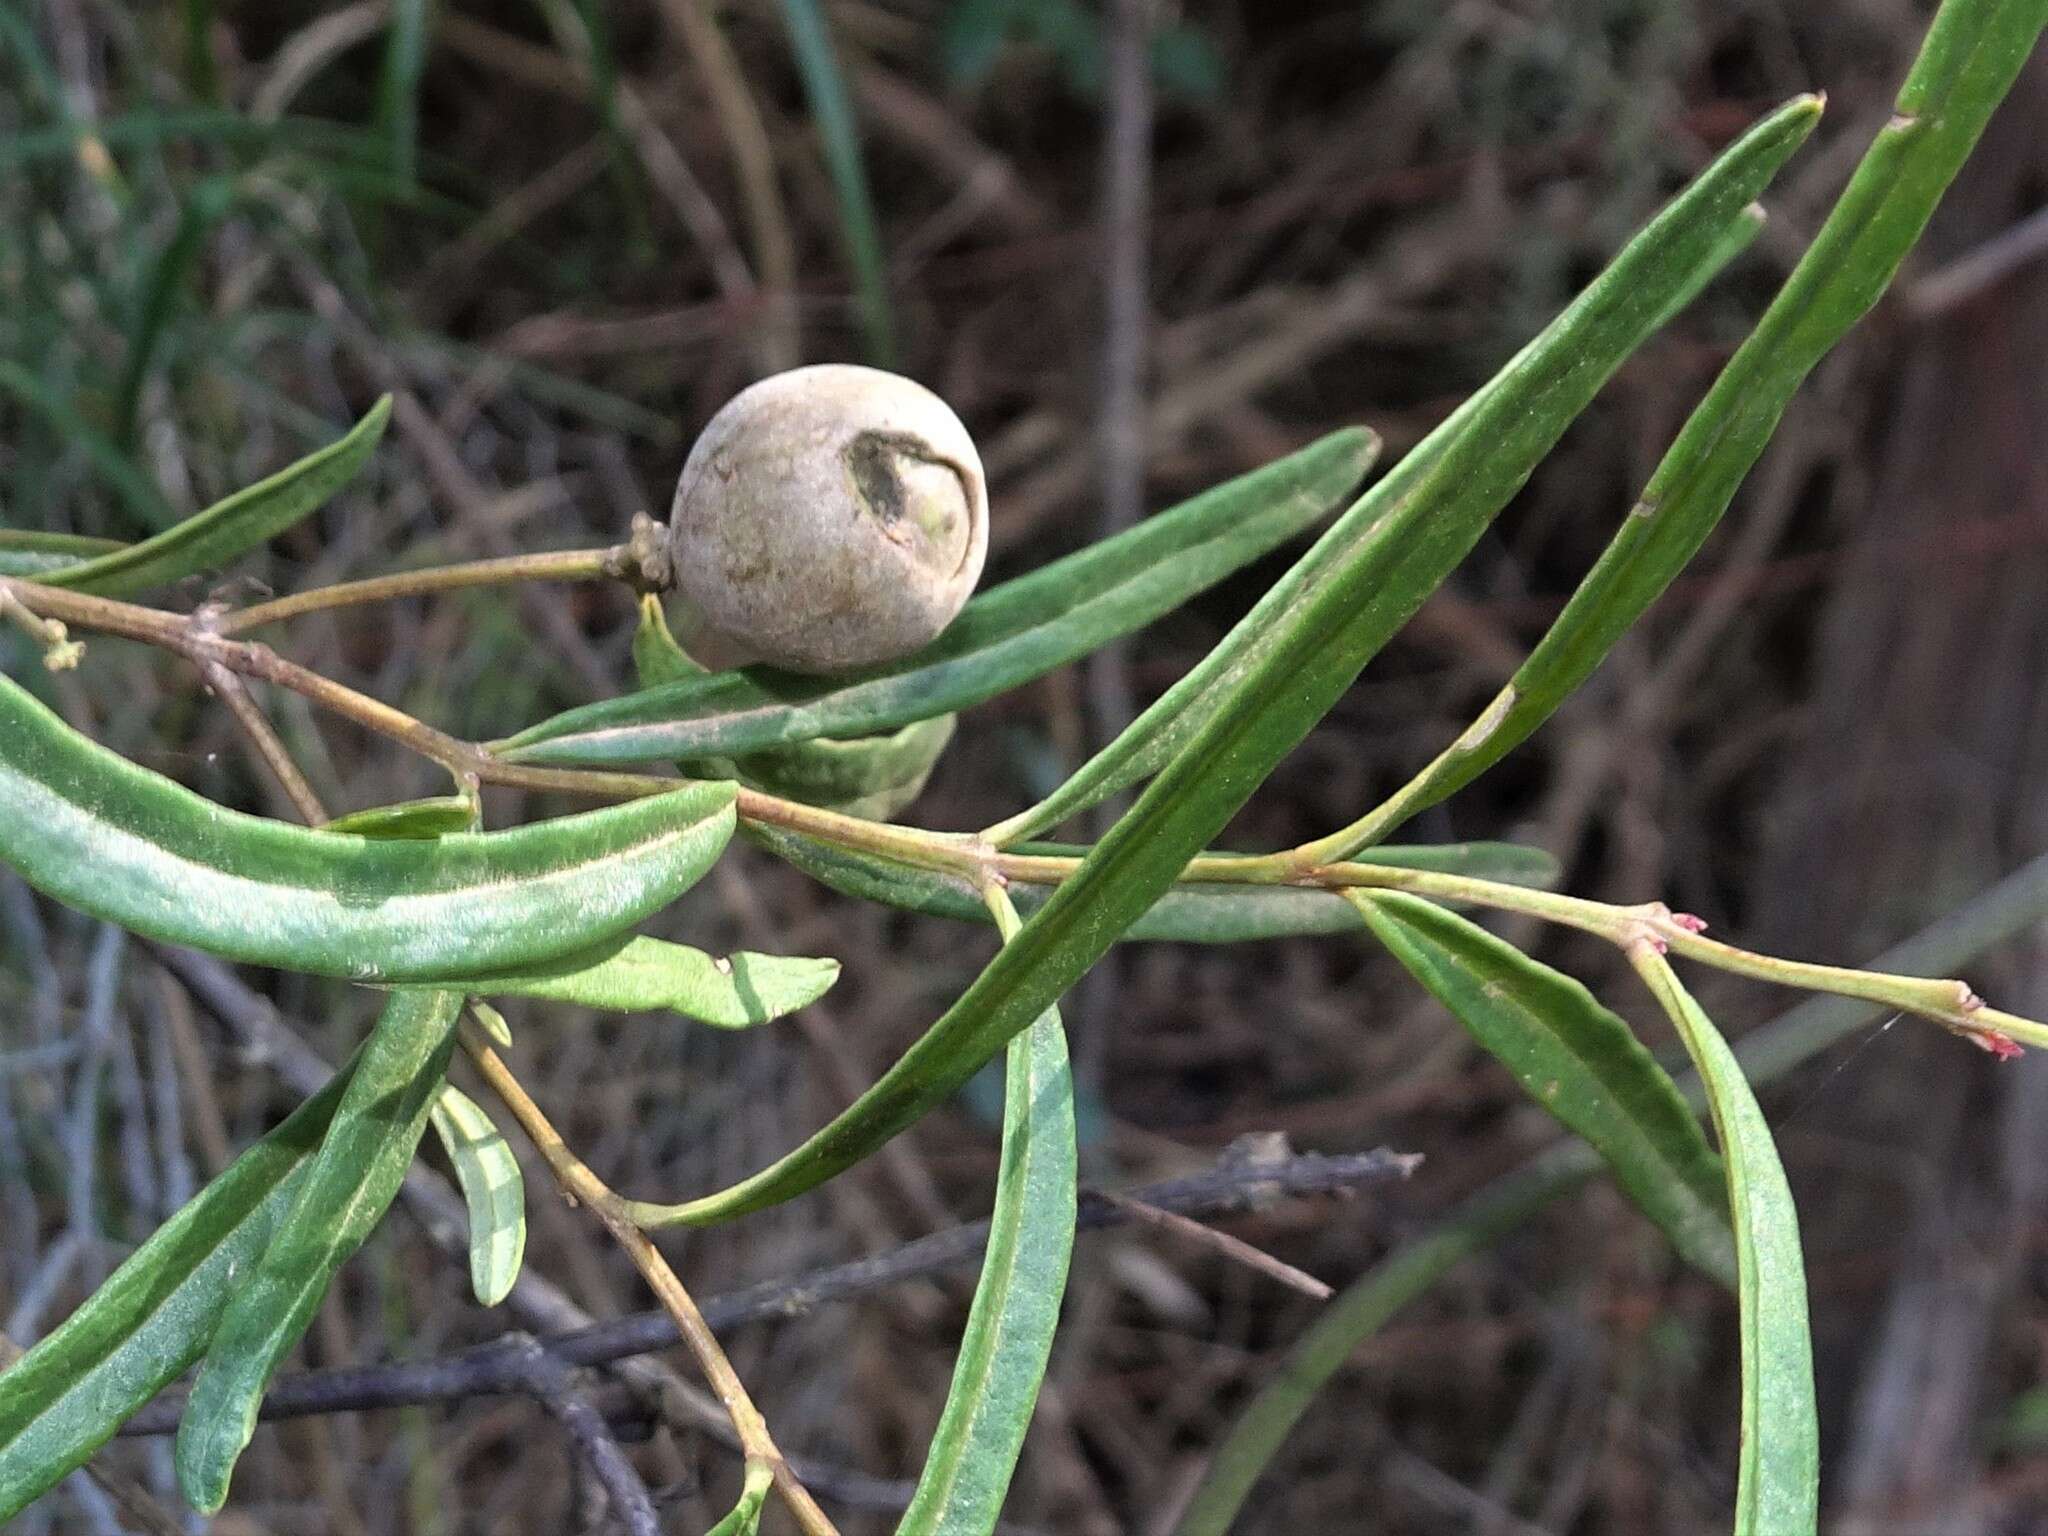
[114, 840]
[1191, 913]
[208, 203]
[1778, 1484]
[350, 1182]
[832, 111]
[154, 1315]
[1144, 746]
[745, 1519]
[398, 85]
[1017, 1300]
[1004, 637]
[1338, 624]
[1787, 1042]
[232, 527]
[492, 1188]
[135, 490]
[1575, 1058]
[658, 657]
[1967, 64]
[26, 552]
[437, 816]
[640, 975]
[874, 777]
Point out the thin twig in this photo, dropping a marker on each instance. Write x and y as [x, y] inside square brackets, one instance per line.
[579, 1181]
[550, 565]
[548, 1381]
[1257, 1174]
[1233, 1248]
[265, 742]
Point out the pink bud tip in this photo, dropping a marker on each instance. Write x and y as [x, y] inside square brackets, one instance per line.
[1689, 922]
[2004, 1047]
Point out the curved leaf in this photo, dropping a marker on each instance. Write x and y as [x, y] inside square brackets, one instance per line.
[1777, 1490]
[1575, 1058]
[25, 552]
[1967, 64]
[1322, 641]
[1189, 913]
[232, 527]
[1017, 1300]
[493, 1189]
[418, 820]
[874, 777]
[641, 975]
[347, 1187]
[154, 1315]
[1004, 637]
[129, 846]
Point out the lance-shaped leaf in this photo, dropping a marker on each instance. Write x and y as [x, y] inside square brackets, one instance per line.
[1575, 1058]
[420, 820]
[1970, 58]
[1144, 746]
[153, 1316]
[1002, 638]
[1777, 1491]
[641, 975]
[129, 846]
[1191, 913]
[1017, 1300]
[493, 1189]
[1340, 621]
[232, 527]
[350, 1182]
[25, 552]
[875, 777]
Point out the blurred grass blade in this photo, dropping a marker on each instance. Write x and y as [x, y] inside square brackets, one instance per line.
[207, 204]
[492, 1188]
[26, 552]
[351, 1180]
[436, 816]
[1576, 1059]
[398, 86]
[1172, 719]
[135, 490]
[210, 539]
[153, 1316]
[128, 846]
[832, 111]
[1778, 1483]
[640, 975]
[1322, 641]
[1003, 638]
[1968, 62]
[1795, 1037]
[1189, 913]
[1016, 1305]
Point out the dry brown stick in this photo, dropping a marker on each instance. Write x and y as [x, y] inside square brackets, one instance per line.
[265, 742]
[1235, 1249]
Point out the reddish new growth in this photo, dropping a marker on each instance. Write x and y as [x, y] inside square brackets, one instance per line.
[1689, 922]
[2004, 1047]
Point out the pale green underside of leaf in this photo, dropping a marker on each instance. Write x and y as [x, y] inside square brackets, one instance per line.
[1003, 638]
[131, 847]
[210, 539]
[424, 820]
[1016, 1302]
[874, 777]
[493, 1189]
[1191, 913]
[348, 1185]
[1777, 1491]
[1338, 623]
[1575, 1058]
[26, 552]
[153, 1316]
[641, 975]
